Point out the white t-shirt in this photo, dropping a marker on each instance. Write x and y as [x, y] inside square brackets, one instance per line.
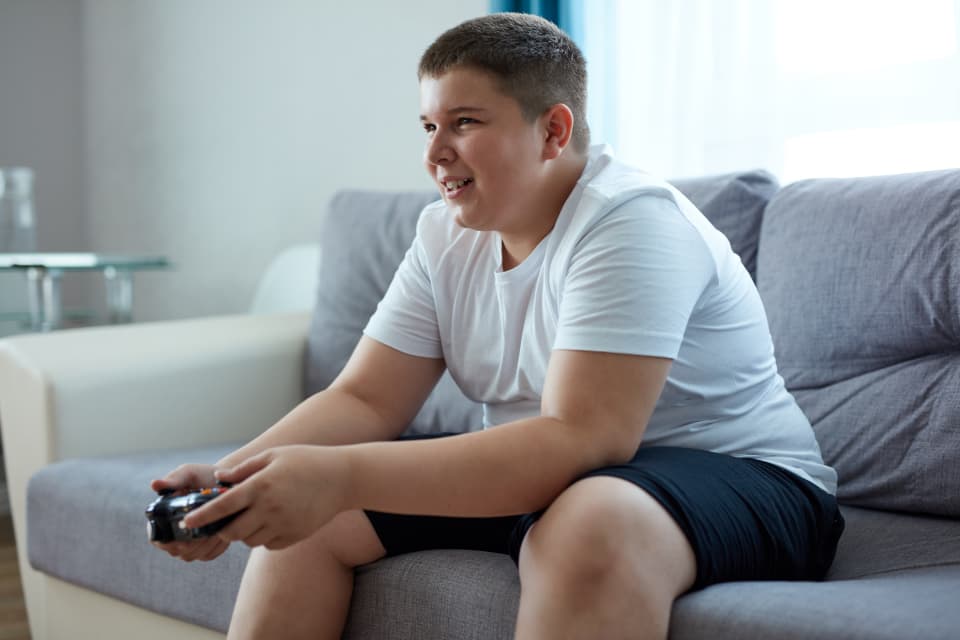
[631, 266]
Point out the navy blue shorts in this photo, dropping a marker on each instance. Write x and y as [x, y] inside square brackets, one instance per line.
[745, 519]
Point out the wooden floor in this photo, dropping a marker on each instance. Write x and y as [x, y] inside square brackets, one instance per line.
[13, 613]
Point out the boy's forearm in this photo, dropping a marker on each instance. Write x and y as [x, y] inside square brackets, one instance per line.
[514, 468]
[330, 417]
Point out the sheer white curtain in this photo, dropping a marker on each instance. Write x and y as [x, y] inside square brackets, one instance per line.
[803, 88]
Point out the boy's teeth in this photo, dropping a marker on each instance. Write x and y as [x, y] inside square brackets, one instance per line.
[456, 184]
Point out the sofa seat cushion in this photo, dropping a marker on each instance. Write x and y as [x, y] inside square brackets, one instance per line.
[467, 595]
[85, 525]
[861, 281]
[917, 603]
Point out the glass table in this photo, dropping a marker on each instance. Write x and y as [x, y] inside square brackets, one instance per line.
[44, 272]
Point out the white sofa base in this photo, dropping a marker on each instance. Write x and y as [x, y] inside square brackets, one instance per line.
[76, 613]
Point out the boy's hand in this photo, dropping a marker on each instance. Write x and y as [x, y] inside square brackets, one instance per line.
[182, 480]
[285, 493]
[187, 477]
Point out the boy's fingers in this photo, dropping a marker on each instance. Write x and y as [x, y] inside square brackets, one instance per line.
[245, 469]
[184, 477]
[245, 525]
[226, 504]
[169, 481]
[203, 549]
[175, 549]
[179, 478]
[216, 550]
[258, 538]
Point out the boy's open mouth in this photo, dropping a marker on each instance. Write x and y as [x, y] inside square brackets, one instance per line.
[455, 185]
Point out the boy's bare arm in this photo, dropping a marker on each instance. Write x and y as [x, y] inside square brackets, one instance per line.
[595, 409]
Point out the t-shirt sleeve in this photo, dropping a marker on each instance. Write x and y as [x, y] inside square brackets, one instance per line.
[406, 317]
[634, 280]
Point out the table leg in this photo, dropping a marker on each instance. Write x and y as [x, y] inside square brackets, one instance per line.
[35, 297]
[52, 306]
[46, 310]
[119, 283]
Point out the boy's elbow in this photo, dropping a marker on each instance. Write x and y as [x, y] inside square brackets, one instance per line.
[609, 443]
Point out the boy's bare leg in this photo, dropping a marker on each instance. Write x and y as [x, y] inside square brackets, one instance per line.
[304, 591]
[604, 561]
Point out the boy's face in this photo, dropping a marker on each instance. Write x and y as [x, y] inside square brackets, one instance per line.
[484, 156]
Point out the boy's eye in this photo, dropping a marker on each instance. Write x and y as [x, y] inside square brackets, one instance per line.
[459, 122]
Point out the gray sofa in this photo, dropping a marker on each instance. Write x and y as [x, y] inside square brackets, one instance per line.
[861, 281]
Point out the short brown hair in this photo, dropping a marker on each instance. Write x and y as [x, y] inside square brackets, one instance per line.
[534, 62]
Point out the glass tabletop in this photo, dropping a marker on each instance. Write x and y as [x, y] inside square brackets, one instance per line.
[80, 261]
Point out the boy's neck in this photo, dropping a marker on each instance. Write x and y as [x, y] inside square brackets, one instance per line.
[559, 183]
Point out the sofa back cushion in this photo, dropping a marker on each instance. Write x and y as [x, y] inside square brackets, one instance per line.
[366, 234]
[363, 240]
[861, 281]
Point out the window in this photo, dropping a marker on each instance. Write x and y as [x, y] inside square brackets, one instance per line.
[805, 88]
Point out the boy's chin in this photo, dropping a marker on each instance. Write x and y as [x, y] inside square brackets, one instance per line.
[460, 221]
[470, 215]
[465, 221]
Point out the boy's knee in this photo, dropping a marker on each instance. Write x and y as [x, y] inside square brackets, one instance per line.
[582, 535]
[603, 531]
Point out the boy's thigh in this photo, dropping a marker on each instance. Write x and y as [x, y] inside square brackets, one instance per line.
[744, 519]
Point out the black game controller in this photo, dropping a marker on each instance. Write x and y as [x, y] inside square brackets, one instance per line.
[165, 515]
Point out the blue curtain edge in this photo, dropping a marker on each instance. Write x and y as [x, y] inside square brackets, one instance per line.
[566, 14]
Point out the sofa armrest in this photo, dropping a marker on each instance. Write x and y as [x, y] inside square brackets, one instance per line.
[112, 390]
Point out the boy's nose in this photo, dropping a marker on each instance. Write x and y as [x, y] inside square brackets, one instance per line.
[437, 150]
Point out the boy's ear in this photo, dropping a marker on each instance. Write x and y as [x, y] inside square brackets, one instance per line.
[558, 130]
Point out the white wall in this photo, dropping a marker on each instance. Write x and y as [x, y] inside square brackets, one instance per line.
[41, 122]
[216, 131]
[211, 132]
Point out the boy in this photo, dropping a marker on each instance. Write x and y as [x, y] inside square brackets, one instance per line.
[591, 308]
